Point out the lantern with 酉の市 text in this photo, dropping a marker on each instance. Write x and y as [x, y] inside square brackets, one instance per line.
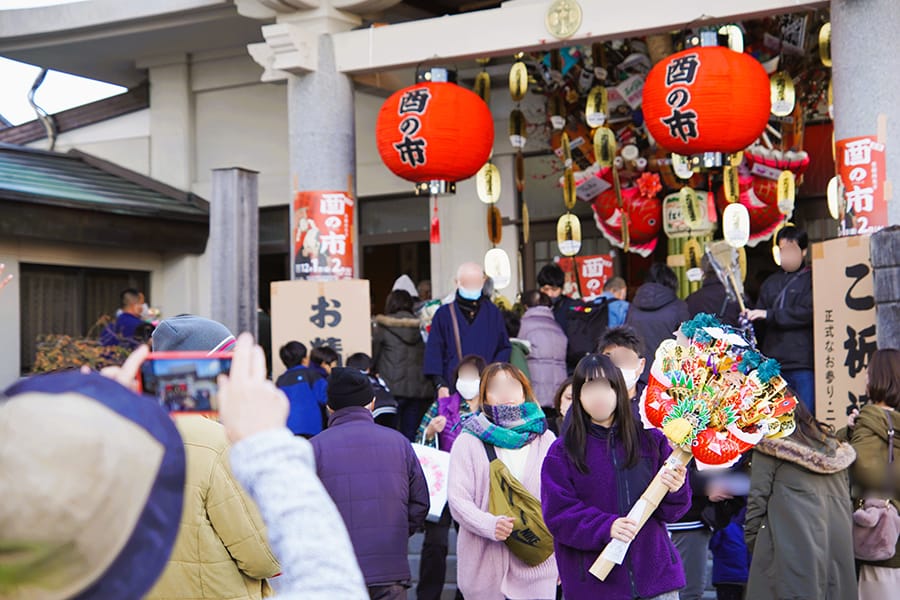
[434, 132]
[706, 99]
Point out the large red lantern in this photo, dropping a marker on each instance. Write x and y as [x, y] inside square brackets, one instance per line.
[434, 132]
[706, 99]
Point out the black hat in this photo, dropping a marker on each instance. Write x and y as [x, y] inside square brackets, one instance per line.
[348, 387]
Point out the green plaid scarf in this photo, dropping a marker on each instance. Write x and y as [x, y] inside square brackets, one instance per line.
[505, 426]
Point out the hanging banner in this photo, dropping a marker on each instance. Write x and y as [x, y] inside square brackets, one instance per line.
[323, 236]
[844, 322]
[593, 273]
[321, 313]
[861, 167]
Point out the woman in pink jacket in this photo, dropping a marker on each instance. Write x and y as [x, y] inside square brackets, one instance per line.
[514, 424]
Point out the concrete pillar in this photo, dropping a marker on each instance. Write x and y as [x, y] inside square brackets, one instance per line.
[234, 248]
[171, 120]
[885, 253]
[322, 133]
[865, 50]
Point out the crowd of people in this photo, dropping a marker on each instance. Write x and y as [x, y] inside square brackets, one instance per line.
[314, 482]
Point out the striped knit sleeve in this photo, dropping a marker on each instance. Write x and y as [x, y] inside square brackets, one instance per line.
[426, 420]
[305, 528]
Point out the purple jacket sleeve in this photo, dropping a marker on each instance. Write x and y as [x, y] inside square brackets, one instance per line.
[674, 505]
[419, 498]
[571, 521]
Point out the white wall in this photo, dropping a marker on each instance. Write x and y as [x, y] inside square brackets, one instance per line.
[246, 127]
[123, 140]
[372, 177]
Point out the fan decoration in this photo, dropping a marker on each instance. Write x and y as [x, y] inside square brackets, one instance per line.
[714, 397]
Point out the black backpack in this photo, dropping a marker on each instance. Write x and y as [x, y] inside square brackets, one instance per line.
[585, 325]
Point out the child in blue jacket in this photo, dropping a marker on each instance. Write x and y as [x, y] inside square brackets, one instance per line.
[306, 390]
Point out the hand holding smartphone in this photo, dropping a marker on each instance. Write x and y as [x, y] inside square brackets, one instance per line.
[184, 382]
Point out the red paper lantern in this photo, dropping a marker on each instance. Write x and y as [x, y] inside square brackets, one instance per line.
[434, 132]
[706, 99]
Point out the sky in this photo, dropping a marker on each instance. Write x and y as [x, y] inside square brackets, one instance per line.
[59, 91]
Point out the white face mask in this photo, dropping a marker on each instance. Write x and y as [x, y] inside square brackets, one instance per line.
[468, 388]
[631, 377]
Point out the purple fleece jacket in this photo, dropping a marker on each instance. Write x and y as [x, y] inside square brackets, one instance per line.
[579, 509]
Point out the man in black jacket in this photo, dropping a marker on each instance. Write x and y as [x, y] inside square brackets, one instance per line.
[551, 280]
[785, 308]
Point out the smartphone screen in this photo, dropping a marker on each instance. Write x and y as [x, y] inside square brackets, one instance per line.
[184, 383]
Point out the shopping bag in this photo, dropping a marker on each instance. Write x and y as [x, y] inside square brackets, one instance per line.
[436, 466]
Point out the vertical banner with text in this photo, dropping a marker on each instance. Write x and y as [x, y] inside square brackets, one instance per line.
[322, 236]
[321, 313]
[844, 322]
[861, 167]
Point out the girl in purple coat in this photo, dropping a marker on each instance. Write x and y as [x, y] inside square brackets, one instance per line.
[590, 480]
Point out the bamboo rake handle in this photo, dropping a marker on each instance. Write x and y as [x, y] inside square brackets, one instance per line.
[649, 501]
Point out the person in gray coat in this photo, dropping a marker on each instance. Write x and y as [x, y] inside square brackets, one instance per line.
[547, 359]
[799, 516]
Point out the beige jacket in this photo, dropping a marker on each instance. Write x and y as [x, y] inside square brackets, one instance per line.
[221, 551]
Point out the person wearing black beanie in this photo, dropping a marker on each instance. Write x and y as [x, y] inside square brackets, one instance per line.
[375, 479]
[348, 388]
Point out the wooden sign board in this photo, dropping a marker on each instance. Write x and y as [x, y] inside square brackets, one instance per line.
[321, 313]
[844, 325]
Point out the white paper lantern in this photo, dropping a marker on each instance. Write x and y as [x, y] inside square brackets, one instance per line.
[736, 225]
[498, 268]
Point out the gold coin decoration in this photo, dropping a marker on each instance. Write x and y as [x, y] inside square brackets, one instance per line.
[783, 94]
[563, 18]
[495, 224]
[604, 146]
[520, 171]
[569, 193]
[568, 235]
[518, 81]
[517, 129]
[786, 192]
[731, 183]
[483, 86]
[565, 149]
[487, 183]
[526, 222]
[596, 107]
[825, 44]
[693, 253]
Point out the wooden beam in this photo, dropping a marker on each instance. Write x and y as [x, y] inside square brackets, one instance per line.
[22, 220]
[519, 26]
[137, 98]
